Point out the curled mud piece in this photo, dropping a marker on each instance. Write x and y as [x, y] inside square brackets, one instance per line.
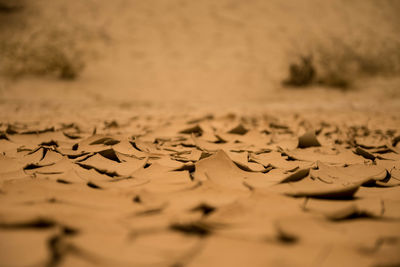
[328, 192]
[309, 139]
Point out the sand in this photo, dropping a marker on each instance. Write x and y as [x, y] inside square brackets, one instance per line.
[299, 189]
[178, 145]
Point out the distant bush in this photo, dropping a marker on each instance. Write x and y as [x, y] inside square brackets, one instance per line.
[337, 63]
[301, 73]
[43, 45]
[51, 52]
[8, 6]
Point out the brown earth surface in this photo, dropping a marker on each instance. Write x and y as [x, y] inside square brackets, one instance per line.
[121, 186]
[171, 151]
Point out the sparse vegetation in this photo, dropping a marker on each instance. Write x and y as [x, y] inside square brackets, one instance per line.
[339, 64]
[301, 73]
[7, 6]
[36, 46]
[53, 52]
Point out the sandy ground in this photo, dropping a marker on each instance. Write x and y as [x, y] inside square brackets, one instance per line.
[308, 177]
[180, 147]
[180, 190]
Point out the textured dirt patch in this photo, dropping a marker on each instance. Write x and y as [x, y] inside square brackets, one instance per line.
[201, 190]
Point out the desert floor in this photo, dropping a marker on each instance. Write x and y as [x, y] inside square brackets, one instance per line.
[171, 151]
[300, 177]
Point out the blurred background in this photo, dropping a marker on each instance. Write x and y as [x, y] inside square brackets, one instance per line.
[230, 52]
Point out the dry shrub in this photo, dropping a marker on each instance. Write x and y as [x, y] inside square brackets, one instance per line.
[49, 53]
[41, 46]
[8, 6]
[340, 63]
[301, 73]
